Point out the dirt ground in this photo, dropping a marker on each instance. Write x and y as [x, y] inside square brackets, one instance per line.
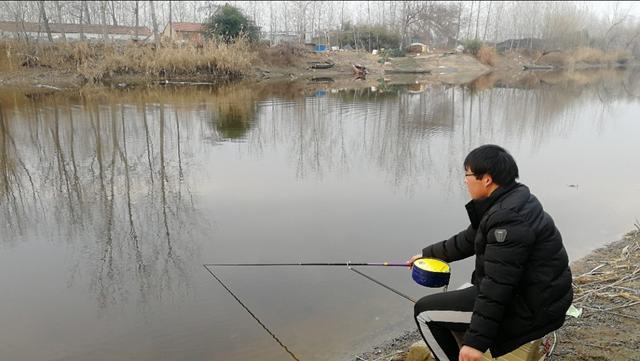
[606, 289]
[292, 62]
[441, 66]
[444, 68]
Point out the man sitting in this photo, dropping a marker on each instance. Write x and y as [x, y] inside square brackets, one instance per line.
[521, 286]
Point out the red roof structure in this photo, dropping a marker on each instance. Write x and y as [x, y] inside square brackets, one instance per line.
[187, 27]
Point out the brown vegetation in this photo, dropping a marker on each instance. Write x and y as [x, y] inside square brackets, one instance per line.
[585, 55]
[96, 62]
[285, 54]
[487, 55]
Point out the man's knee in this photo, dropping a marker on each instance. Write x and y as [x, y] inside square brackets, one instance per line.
[426, 303]
[459, 300]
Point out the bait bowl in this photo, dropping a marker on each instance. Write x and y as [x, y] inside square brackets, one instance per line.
[431, 272]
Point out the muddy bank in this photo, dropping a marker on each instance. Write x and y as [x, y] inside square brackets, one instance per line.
[606, 290]
[113, 66]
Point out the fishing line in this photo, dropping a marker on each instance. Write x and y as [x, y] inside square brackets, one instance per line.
[347, 264]
[252, 314]
[383, 285]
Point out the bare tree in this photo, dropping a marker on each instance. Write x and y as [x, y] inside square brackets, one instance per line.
[85, 6]
[486, 23]
[59, 13]
[103, 16]
[137, 18]
[478, 18]
[113, 13]
[156, 36]
[45, 21]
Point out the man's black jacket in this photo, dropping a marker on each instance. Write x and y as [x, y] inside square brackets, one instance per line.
[522, 271]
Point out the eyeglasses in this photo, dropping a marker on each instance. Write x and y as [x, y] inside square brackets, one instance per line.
[470, 174]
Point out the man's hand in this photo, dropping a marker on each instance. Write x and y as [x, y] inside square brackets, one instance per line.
[468, 353]
[413, 259]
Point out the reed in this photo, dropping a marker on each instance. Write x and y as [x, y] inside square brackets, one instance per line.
[97, 61]
[487, 55]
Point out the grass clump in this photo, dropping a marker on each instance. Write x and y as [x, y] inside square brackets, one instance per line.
[99, 61]
[487, 55]
[284, 54]
[472, 46]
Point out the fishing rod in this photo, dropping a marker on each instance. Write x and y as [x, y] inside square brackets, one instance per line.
[344, 264]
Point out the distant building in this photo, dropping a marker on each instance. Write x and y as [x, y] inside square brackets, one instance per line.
[16, 29]
[184, 32]
[278, 37]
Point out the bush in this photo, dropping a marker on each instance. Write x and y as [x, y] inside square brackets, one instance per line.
[283, 54]
[392, 53]
[487, 55]
[380, 37]
[623, 57]
[589, 56]
[472, 46]
[229, 23]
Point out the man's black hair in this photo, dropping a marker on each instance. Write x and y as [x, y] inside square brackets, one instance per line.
[493, 160]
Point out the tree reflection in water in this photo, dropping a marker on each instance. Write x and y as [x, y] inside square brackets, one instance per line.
[110, 185]
[111, 173]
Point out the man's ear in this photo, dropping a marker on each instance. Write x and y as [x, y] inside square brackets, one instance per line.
[487, 180]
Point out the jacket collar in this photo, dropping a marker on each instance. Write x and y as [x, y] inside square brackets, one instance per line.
[477, 208]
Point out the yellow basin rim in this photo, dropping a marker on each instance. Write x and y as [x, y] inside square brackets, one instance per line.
[432, 265]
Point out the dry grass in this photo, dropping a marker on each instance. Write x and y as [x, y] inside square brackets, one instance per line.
[584, 55]
[487, 55]
[285, 54]
[558, 59]
[97, 61]
[590, 56]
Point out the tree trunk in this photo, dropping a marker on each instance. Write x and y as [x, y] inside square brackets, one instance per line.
[113, 14]
[459, 20]
[470, 21]
[103, 15]
[154, 20]
[478, 18]
[59, 11]
[81, 24]
[45, 21]
[137, 11]
[486, 23]
[170, 23]
[86, 11]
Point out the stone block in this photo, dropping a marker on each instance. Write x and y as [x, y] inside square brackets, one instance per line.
[419, 352]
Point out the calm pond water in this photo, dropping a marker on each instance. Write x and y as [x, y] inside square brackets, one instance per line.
[112, 200]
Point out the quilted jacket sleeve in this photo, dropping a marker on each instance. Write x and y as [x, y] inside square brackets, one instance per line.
[455, 248]
[504, 262]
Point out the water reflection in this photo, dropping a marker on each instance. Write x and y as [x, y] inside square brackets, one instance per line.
[114, 167]
[76, 170]
[133, 181]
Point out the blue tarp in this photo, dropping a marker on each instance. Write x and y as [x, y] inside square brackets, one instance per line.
[320, 48]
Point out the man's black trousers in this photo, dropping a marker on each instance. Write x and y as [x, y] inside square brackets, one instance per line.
[440, 315]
